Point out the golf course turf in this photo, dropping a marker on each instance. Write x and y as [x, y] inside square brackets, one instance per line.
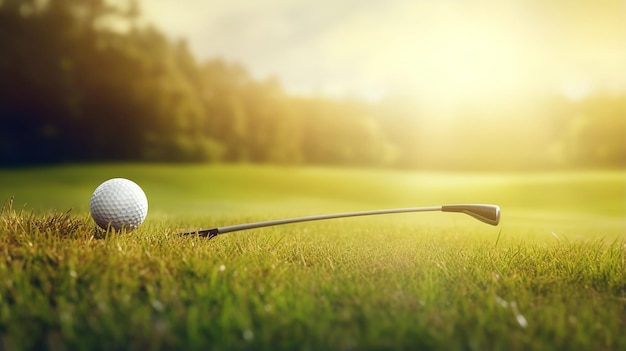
[551, 276]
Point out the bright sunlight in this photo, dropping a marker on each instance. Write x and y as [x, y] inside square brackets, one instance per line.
[441, 51]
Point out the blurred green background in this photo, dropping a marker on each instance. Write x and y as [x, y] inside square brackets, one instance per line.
[484, 87]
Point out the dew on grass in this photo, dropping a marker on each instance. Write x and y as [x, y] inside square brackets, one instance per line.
[502, 302]
[521, 320]
[248, 335]
[158, 305]
[495, 276]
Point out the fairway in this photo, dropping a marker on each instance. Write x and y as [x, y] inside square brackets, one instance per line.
[551, 276]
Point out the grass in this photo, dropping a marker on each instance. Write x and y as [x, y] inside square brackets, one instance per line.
[552, 276]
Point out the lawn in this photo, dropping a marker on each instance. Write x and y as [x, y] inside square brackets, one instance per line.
[551, 276]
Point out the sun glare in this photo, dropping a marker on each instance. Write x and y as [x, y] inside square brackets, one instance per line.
[442, 52]
[575, 88]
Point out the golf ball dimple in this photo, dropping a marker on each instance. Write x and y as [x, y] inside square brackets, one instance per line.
[118, 203]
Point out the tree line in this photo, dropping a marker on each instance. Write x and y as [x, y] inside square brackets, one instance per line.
[83, 81]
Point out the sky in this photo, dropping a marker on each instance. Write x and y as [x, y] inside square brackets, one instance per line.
[435, 50]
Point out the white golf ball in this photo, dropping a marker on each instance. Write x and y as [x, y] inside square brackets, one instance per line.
[119, 203]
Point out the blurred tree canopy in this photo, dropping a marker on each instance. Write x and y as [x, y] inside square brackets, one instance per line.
[81, 81]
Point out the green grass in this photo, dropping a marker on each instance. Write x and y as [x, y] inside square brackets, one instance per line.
[552, 276]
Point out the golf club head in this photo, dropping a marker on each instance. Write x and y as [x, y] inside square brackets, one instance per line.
[489, 214]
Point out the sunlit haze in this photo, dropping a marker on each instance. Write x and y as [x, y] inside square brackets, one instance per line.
[439, 51]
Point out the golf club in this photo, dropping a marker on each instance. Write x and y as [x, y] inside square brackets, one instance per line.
[489, 214]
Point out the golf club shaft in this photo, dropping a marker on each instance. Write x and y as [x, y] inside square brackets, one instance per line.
[486, 213]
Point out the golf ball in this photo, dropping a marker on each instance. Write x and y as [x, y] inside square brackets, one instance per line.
[118, 203]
